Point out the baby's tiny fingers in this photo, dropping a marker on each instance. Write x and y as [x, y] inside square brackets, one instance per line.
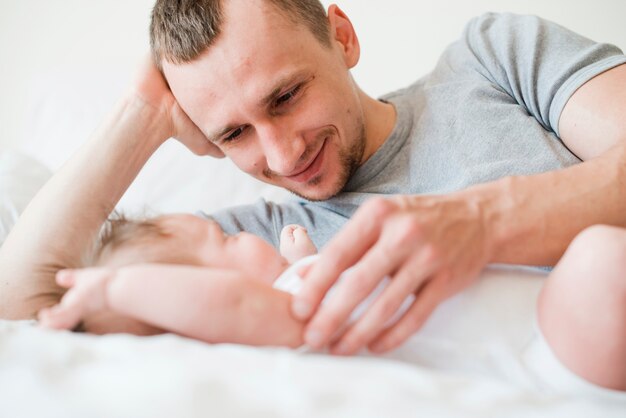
[43, 315]
[54, 318]
[65, 278]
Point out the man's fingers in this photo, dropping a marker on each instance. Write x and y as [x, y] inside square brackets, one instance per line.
[391, 251]
[422, 307]
[356, 285]
[399, 292]
[197, 143]
[191, 136]
[340, 253]
[302, 271]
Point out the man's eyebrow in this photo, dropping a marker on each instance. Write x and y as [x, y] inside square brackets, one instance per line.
[280, 85]
[278, 89]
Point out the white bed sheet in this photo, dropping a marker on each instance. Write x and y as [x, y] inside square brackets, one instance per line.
[61, 374]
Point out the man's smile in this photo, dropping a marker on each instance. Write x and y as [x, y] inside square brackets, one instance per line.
[311, 168]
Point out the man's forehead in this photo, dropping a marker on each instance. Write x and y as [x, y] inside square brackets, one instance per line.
[238, 74]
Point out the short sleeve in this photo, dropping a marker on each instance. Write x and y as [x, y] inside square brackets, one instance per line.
[539, 63]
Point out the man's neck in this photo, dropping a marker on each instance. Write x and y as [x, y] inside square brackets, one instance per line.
[380, 119]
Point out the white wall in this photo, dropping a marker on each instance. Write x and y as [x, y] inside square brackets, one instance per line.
[71, 47]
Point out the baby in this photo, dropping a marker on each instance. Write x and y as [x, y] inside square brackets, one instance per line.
[227, 295]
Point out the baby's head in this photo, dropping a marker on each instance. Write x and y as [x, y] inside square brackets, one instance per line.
[189, 240]
[183, 239]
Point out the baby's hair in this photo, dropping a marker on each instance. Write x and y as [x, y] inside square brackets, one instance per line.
[117, 233]
[120, 232]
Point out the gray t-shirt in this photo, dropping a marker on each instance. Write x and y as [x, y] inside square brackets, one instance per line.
[489, 109]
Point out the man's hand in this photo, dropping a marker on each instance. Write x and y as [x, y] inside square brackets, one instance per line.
[430, 246]
[152, 88]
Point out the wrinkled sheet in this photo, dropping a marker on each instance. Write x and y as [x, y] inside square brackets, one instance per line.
[60, 374]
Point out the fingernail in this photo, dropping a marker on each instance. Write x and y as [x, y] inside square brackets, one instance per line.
[301, 309]
[313, 338]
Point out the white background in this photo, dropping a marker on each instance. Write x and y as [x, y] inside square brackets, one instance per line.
[66, 45]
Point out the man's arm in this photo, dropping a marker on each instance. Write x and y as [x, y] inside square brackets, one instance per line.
[552, 208]
[434, 246]
[66, 214]
[594, 119]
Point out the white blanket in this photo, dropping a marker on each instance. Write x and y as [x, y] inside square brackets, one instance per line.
[60, 374]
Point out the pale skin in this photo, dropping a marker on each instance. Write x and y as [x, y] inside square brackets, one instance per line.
[582, 306]
[225, 296]
[432, 246]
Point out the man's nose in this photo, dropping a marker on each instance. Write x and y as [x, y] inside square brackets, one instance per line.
[282, 149]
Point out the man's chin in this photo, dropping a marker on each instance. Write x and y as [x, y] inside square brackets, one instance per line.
[315, 191]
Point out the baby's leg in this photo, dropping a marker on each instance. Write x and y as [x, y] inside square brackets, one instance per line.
[582, 307]
[295, 243]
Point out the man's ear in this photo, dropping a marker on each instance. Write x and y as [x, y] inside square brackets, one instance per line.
[343, 35]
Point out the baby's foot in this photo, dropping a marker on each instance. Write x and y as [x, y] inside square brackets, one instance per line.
[295, 243]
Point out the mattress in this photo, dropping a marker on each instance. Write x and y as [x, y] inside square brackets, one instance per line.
[47, 373]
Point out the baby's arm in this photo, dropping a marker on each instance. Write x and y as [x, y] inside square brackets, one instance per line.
[206, 304]
[295, 243]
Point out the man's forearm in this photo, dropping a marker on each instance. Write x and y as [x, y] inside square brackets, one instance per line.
[532, 219]
[66, 214]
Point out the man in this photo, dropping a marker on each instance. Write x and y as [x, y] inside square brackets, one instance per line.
[478, 160]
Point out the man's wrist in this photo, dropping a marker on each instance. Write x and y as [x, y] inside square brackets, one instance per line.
[154, 124]
[494, 202]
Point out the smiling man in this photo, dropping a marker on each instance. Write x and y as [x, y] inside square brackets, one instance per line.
[291, 116]
[514, 143]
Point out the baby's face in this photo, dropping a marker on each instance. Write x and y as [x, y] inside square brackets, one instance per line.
[205, 241]
[194, 241]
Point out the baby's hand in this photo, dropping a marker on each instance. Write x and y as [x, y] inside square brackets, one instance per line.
[86, 295]
[295, 243]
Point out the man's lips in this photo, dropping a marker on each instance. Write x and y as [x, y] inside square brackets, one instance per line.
[311, 169]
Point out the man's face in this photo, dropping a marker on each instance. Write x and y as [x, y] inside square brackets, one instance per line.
[278, 103]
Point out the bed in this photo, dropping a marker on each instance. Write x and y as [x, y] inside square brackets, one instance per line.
[61, 374]
[461, 364]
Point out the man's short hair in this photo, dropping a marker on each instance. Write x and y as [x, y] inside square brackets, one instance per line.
[181, 30]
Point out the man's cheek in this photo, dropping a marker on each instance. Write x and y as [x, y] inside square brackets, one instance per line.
[252, 163]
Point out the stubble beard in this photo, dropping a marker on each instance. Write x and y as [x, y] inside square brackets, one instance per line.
[349, 161]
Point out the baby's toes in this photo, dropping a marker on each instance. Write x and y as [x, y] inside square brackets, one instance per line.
[303, 243]
[287, 232]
